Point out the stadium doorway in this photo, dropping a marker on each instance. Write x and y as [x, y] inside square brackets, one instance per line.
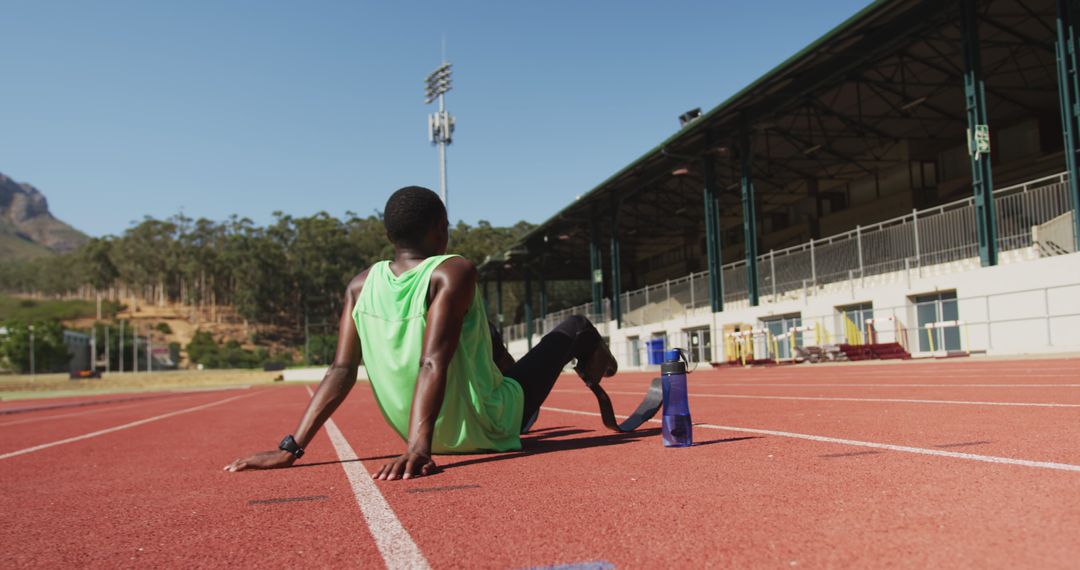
[780, 327]
[936, 308]
[699, 344]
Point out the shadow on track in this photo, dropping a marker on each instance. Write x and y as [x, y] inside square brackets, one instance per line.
[546, 443]
[727, 440]
[542, 441]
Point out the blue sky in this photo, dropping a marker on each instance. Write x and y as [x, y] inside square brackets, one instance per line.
[121, 109]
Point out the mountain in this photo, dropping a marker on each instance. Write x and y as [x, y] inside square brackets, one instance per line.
[27, 228]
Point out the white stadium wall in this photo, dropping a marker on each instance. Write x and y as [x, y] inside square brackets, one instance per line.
[1026, 305]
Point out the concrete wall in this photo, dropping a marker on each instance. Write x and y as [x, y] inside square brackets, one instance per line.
[314, 374]
[1026, 305]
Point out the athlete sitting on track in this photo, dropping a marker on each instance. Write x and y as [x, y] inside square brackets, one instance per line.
[441, 375]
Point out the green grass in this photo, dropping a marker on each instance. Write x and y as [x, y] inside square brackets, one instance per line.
[14, 308]
[25, 386]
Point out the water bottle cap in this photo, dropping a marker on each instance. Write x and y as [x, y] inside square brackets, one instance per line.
[674, 362]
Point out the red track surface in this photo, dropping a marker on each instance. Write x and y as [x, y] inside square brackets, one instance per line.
[153, 494]
[28, 405]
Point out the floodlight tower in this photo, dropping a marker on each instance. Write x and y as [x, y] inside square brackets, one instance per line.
[441, 123]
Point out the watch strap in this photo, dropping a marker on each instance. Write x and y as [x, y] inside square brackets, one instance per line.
[289, 444]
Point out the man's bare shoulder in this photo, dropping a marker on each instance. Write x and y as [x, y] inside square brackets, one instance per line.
[455, 270]
[352, 290]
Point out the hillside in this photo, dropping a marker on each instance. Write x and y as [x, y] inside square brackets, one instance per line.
[27, 228]
[169, 322]
[16, 248]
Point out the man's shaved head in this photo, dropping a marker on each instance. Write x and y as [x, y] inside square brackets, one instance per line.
[411, 213]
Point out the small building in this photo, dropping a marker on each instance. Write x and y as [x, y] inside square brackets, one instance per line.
[78, 345]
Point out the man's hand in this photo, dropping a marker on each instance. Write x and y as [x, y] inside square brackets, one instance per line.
[408, 466]
[264, 460]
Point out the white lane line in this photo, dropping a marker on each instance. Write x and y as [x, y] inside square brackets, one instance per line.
[870, 444]
[120, 427]
[138, 402]
[841, 385]
[211, 389]
[890, 400]
[762, 376]
[837, 399]
[120, 397]
[396, 546]
[96, 411]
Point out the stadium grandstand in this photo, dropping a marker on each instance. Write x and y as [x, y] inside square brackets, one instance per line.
[904, 186]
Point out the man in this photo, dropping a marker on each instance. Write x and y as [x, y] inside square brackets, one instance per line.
[440, 377]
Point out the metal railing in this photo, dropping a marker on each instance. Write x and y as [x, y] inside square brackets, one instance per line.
[542, 325]
[932, 236]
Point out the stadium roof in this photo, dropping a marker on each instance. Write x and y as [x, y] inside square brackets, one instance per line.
[883, 88]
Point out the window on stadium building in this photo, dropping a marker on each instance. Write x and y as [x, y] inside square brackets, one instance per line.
[932, 308]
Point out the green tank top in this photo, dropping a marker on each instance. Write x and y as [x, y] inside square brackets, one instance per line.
[481, 409]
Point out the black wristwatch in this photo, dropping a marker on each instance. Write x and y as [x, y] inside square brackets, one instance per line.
[289, 444]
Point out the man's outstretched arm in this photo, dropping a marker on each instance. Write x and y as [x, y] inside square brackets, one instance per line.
[452, 287]
[333, 389]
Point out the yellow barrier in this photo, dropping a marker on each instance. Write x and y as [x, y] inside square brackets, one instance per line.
[740, 345]
[852, 333]
[792, 337]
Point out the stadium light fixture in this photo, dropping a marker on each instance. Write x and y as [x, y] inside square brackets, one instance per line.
[440, 123]
[438, 83]
[687, 117]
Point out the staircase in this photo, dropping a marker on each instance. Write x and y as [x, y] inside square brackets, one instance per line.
[890, 351]
[880, 351]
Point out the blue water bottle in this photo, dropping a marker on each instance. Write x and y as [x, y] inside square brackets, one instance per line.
[678, 429]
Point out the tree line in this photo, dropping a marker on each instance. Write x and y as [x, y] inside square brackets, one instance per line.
[288, 272]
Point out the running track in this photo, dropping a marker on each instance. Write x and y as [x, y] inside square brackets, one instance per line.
[948, 464]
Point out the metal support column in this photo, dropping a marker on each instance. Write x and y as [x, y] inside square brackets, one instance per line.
[543, 293]
[498, 299]
[487, 300]
[749, 217]
[528, 309]
[1069, 95]
[858, 246]
[597, 273]
[543, 297]
[982, 182]
[814, 219]
[713, 244]
[616, 266]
